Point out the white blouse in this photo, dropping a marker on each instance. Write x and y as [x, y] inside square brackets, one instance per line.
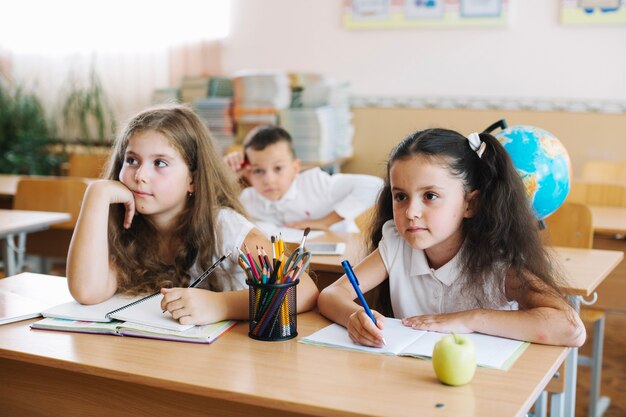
[417, 289]
[228, 276]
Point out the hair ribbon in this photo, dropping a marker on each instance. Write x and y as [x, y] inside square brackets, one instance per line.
[476, 144]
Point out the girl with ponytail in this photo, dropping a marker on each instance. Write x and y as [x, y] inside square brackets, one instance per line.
[455, 247]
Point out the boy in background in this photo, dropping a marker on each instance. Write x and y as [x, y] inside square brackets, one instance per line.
[283, 196]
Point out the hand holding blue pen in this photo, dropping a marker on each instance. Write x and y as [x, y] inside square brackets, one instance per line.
[347, 268]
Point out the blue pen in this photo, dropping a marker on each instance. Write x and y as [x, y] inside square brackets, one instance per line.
[347, 268]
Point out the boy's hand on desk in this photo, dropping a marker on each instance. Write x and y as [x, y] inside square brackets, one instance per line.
[192, 305]
[457, 322]
[322, 223]
[363, 331]
[313, 224]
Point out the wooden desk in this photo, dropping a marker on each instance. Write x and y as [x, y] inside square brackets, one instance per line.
[19, 223]
[97, 375]
[609, 220]
[585, 270]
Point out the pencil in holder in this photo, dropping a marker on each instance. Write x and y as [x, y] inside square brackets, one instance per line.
[273, 310]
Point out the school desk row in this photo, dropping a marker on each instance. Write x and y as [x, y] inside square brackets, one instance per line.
[80, 374]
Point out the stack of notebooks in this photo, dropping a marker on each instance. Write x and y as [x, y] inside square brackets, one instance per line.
[216, 113]
[258, 96]
[321, 127]
[194, 88]
[124, 316]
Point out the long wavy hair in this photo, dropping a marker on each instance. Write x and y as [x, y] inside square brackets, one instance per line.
[134, 253]
[503, 235]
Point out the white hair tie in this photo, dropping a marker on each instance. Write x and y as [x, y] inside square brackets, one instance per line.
[476, 144]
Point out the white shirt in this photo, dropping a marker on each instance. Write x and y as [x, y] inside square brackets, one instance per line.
[229, 276]
[417, 289]
[314, 194]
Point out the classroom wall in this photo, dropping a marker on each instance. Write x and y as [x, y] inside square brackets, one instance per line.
[585, 135]
[535, 67]
[534, 56]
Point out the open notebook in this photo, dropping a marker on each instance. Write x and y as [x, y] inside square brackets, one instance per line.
[491, 351]
[130, 316]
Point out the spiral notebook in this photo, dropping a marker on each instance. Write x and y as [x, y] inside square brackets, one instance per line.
[196, 334]
[491, 351]
[144, 310]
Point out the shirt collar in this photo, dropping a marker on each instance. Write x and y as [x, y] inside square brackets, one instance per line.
[447, 274]
[290, 195]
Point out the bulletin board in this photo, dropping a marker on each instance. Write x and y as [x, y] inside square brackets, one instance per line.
[593, 12]
[377, 14]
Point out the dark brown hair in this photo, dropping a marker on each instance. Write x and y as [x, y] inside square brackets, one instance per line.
[503, 237]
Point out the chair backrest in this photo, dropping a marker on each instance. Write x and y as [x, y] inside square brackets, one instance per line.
[571, 226]
[86, 165]
[596, 193]
[598, 170]
[365, 219]
[58, 194]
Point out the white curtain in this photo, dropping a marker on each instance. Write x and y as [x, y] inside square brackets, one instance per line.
[135, 47]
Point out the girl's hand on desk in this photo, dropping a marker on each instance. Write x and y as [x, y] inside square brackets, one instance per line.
[192, 305]
[362, 329]
[457, 322]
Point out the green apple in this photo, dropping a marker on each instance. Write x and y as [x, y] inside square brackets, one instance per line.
[454, 359]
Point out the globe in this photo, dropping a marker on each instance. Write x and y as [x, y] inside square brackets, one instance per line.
[543, 164]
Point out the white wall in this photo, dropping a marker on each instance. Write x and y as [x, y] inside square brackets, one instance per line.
[533, 57]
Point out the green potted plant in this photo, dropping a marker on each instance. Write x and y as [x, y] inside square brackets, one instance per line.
[87, 117]
[24, 134]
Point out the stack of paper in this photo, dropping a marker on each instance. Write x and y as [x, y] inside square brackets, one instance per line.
[194, 88]
[259, 95]
[322, 127]
[216, 113]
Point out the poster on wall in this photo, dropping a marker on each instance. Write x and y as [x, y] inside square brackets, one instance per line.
[376, 14]
[593, 12]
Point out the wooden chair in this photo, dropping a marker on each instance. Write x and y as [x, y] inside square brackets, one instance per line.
[87, 165]
[595, 193]
[365, 219]
[57, 194]
[571, 225]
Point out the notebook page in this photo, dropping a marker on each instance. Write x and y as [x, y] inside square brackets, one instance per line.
[491, 351]
[83, 312]
[14, 307]
[149, 313]
[397, 336]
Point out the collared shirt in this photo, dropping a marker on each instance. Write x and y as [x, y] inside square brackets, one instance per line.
[417, 289]
[314, 194]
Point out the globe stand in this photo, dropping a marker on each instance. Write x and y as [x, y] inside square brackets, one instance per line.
[542, 225]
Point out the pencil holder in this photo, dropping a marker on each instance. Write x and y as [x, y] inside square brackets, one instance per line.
[273, 310]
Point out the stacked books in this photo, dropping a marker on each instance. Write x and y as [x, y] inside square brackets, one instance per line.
[321, 128]
[259, 95]
[194, 88]
[216, 113]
